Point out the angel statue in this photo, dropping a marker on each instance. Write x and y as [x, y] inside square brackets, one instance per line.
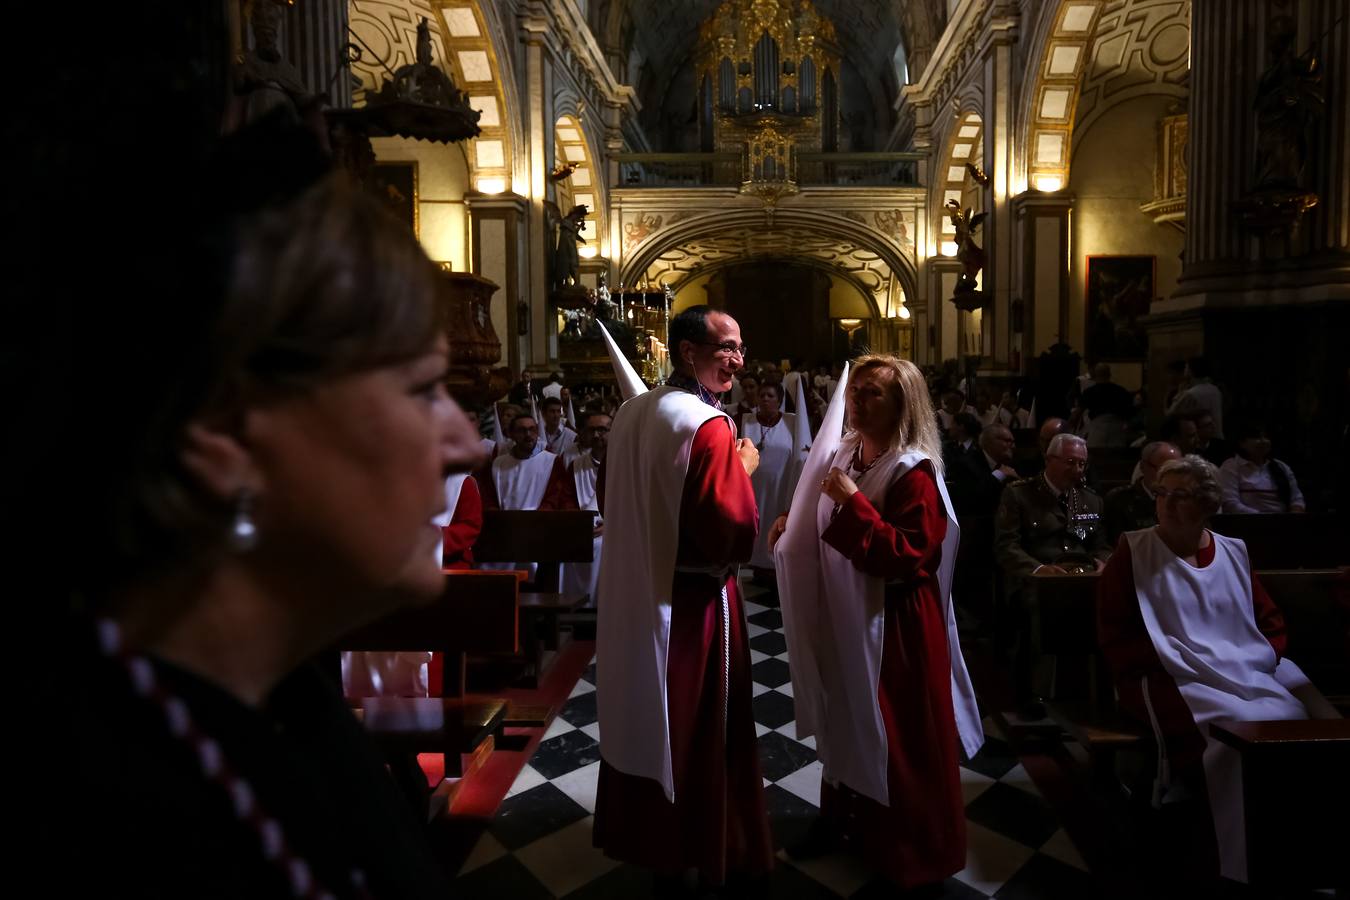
[968, 252]
[566, 260]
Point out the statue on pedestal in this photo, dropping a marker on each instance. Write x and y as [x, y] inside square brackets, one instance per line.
[967, 295]
[1289, 102]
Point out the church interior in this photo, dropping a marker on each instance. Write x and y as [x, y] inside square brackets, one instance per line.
[1120, 226]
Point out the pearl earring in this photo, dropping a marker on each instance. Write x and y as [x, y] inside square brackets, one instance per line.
[243, 533]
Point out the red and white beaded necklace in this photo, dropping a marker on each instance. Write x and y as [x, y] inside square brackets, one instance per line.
[217, 770]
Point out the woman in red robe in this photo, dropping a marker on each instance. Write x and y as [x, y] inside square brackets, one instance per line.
[919, 836]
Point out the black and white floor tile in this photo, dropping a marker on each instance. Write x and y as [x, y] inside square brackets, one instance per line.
[539, 843]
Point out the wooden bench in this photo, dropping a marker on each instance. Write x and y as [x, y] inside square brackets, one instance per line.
[1290, 541]
[1296, 791]
[476, 612]
[549, 538]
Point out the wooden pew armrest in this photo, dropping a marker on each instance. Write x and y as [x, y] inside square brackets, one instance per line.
[1262, 736]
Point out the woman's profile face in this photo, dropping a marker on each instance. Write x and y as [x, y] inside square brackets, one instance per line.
[353, 473]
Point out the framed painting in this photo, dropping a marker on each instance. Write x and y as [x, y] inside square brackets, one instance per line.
[395, 184]
[1118, 293]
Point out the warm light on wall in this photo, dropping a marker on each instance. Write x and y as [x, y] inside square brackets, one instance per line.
[904, 312]
[1049, 183]
[586, 252]
[491, 185]
[949, 248]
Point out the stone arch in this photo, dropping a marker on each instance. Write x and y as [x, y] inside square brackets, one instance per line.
[848, 248]
[1139, 48]
[462, 41]
[1056, 61]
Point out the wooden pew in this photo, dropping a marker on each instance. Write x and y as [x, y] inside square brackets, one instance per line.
[546, 537]
[1290, 540]
[1295, 795]
[475, 613]
[1082, 697]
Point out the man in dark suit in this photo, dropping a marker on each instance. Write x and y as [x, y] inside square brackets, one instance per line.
[1134, 506]
[977, 477]
[960, 439]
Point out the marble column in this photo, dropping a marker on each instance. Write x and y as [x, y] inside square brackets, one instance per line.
[314, 35]
[538, 104]
[1043, 245]
[998, 279]
[1228, 264]
[499, 241]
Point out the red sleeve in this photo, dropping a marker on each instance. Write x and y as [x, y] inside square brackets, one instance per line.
[1269, 618]
[718, 515]
[464, 526]
[561, 492]
[487, 488]
[1121, 633]
[901, 542]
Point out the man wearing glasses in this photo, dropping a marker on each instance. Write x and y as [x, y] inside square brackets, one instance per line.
[1048, 524]
[680, 790]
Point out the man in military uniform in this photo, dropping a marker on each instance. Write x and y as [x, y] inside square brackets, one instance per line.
[1134, 506]
[1045, 524]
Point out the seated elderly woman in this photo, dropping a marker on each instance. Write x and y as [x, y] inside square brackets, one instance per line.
[1192, 638]
[270, 481]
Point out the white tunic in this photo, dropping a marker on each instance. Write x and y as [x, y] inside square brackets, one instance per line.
[1203, 627]
[775, 478]
[645, 468]
[583, 578]
[520, 483]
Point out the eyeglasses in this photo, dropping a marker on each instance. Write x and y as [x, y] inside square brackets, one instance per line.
[1180, 495]
[728, 348]
[1074, 463]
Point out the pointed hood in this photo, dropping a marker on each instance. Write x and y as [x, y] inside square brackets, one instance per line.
[630, 385]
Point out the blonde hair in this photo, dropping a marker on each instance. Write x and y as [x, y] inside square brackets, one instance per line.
[917, 428]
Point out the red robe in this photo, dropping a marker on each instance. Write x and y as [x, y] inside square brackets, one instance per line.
[921, 837]
[1129, 652]
[457, 553]
[462, 532]
[561, 492]
[718, 822]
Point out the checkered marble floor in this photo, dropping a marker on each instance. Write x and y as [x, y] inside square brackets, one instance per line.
[539, 843]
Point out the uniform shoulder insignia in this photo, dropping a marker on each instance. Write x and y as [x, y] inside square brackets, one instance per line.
[1022, 482]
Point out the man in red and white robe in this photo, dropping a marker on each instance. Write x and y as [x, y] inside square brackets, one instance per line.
[680, 785]
[572, 486]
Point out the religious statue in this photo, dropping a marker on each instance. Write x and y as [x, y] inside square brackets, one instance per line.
[967, 295]
[1288, 103]
[264, 82]
[605, 308]
[566, 260]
